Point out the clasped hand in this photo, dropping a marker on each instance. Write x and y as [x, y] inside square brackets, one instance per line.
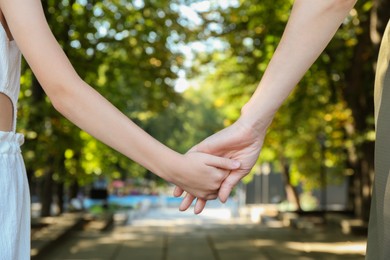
[239, 142]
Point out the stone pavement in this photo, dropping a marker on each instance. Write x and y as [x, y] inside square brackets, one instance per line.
[56, 230]
[166, 234]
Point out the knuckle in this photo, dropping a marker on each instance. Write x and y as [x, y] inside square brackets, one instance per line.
[215, 185]
[225, 162]
[203, 196]
[228, 184]
[212, 197]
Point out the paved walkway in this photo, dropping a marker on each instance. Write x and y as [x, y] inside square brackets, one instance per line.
[166, 234]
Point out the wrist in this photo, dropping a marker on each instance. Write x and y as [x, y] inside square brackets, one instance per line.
[256, 117]
[165, 166]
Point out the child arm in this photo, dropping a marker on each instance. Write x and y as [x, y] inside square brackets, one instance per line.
[85, 107]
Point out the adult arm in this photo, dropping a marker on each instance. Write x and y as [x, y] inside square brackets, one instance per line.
[311, 26]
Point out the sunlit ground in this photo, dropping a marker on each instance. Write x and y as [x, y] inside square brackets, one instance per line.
[218, 233]
[220, 217]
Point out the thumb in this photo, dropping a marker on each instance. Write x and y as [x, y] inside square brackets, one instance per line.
[228, 185]
[224, 163]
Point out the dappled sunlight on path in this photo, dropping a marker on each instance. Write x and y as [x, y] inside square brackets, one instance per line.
[169, 235]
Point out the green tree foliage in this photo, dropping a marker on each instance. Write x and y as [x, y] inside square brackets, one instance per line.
[124, 50]
[328, 119]
[128, 51]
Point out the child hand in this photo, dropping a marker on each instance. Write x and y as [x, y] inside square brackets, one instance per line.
[201, 174]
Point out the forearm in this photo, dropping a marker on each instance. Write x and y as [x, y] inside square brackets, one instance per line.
[103, 121]
[311, 26]
[198, 173]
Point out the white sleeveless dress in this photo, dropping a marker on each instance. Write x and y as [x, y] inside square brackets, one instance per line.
[14, 190]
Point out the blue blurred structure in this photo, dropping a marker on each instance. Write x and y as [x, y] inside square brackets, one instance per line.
[133, 201]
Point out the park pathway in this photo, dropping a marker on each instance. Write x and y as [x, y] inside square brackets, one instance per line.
[166, 234]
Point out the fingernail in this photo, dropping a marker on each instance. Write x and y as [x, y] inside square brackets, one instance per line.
[236, 164]
[223, 200]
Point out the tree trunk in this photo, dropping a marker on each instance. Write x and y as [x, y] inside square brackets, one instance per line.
[73, 190]
[380, 16]
[47, 193]
[358, 93]
[60, 196]
[362, 183]
[292, 194]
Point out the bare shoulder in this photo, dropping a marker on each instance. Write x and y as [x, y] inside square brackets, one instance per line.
[4, 24]
[29, 28]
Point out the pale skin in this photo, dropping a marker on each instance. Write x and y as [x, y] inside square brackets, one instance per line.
[197, 173]
[311, 26]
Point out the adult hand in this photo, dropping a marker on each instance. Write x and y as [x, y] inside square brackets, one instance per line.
[240, 142]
